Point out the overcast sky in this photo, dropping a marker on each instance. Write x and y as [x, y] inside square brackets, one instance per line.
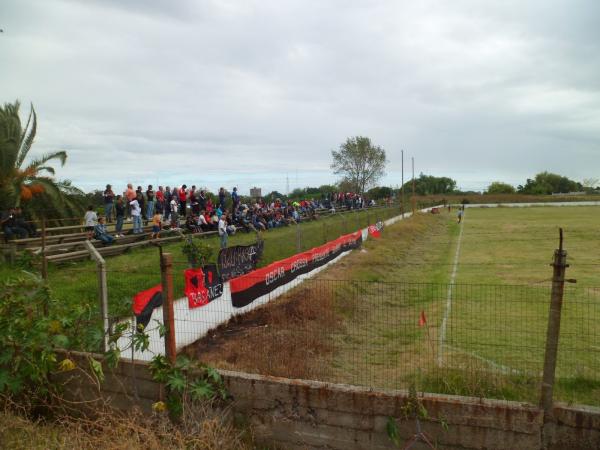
[250, 92]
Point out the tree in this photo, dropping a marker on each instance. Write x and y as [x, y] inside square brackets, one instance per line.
[590, 184]
[498, 187]
[546, 183]
[22, 182]
[379, 192]
[430, 185]
[359, 162]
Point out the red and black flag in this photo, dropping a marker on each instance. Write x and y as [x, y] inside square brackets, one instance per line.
[202, 286]
[195, 290]
[144, 303]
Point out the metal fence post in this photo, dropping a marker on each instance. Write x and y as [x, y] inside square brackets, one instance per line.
[558, 284]
[166, 272]
[102, 291]
[298, 238]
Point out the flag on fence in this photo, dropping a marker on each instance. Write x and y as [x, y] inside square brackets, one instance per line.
[422, 319]
[374, 231]
[144, 303]
[195, 290]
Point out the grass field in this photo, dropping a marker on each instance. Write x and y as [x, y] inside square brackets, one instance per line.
[358, 322]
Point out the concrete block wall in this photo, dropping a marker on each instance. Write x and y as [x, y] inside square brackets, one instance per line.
[298, 414]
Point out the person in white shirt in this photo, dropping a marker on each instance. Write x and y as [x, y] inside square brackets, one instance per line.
[136, 211]
[202, 223]
[223, 229]
[174, 212]
[90, 219]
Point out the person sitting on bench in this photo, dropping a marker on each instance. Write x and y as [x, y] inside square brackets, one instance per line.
[9, 225]
[101, 234]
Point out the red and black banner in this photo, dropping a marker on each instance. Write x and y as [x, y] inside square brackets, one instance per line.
[202, 286]
[247, 288]
[144, 303]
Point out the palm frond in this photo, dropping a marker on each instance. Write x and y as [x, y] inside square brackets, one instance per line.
[48, 169]
[34, 164]
[28, 141]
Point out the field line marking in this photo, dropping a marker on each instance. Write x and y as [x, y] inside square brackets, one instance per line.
[502, 368]
[449, 295]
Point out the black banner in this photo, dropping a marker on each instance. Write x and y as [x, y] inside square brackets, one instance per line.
[212, 281]
[238, 260]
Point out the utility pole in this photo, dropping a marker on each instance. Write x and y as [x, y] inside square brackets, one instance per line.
[402, 200]
[413, 186]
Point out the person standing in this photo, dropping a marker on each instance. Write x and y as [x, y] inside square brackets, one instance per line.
[222, 228]
[159, 207]
[130, 196]
[90, 219]
[194, 203]
[235, 198]
[222, 198]
[136, 214]
[167, 203]
[182, 200]
[174, 212]
[149, 203]
[120, 215]
[109, 197]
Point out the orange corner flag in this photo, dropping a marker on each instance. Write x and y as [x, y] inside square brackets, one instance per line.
[422, 319]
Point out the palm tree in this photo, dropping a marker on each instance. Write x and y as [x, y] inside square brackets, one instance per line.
[21, 181]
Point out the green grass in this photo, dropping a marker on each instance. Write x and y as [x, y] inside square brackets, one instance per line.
[504, 323]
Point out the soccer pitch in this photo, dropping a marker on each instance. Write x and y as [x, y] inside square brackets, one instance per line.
[496, 313]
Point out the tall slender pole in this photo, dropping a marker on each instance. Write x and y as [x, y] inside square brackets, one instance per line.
[413, 185]
[402, 201]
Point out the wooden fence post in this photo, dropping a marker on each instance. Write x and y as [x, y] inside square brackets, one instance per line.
[553, 332]
[166, 271]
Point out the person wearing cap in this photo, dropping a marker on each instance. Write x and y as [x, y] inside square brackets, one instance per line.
[235, 198]
[109, 198]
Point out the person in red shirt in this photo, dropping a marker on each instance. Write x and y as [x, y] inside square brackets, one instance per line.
[160, 200]
[182, 200]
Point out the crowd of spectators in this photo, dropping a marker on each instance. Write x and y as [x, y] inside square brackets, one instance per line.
[191, 209]
[194, 210]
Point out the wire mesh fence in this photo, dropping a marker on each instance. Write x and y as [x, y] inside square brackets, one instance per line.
[468, 339]
[478, 340]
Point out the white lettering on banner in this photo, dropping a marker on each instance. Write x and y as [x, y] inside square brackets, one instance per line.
[215, 291]
[199, 297]
[274, 275]
[299, 264]
[320, 256]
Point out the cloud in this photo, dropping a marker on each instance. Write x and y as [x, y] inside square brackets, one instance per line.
[250, 92]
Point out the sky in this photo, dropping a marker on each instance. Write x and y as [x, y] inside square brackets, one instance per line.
[257, 93]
